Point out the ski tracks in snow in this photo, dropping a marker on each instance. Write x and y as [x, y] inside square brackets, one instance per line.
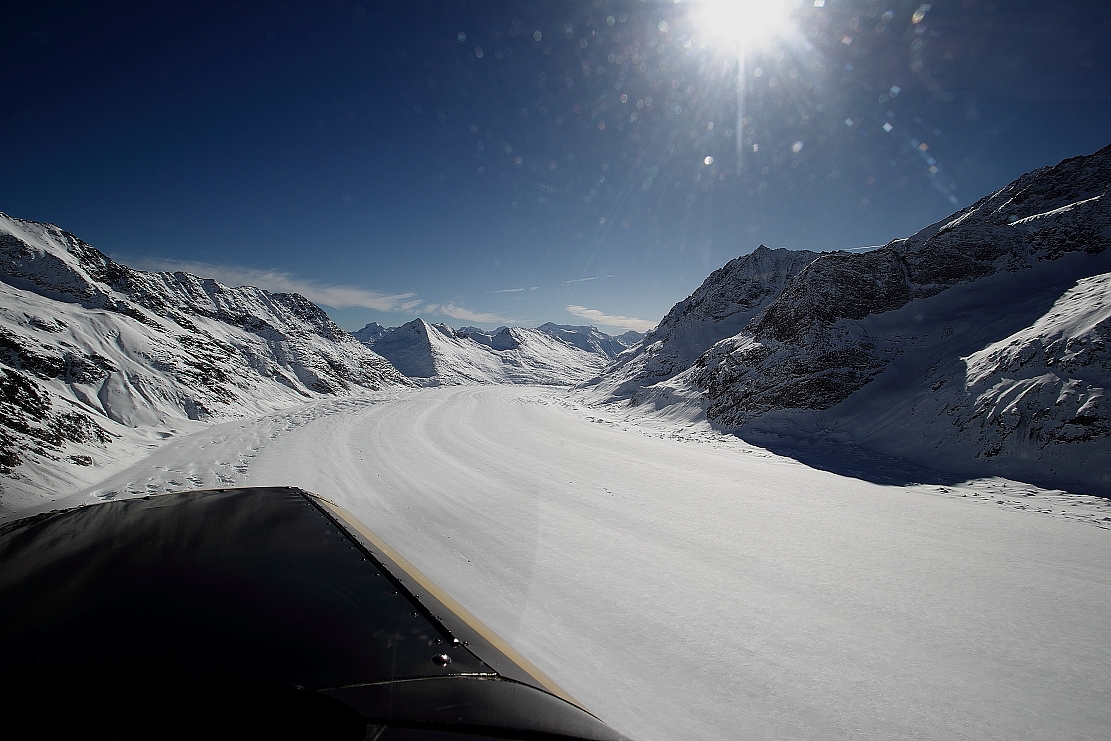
[220, 456]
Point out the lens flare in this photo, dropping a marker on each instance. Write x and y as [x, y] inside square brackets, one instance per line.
[744, 22]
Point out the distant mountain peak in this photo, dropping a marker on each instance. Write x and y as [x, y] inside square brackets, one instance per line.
[435, 354]
[591, 339]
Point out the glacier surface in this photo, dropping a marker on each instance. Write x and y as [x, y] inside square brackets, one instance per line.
[686, 585]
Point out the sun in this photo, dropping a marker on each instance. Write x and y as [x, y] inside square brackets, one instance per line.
[743, 22]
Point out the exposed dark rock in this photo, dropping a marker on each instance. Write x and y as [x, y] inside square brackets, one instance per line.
[27, 416]
[979, 344]
[814, 357]
[725, 302]
[102, 341]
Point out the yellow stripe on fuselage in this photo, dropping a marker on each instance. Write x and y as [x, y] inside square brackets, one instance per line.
[461, 612]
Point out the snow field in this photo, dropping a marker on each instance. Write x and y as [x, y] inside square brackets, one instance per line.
[681, 589]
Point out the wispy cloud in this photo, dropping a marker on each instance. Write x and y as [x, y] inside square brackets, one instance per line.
[339, 297]
[459, 312]
[507, 290]
[583, 280]
[627, 322]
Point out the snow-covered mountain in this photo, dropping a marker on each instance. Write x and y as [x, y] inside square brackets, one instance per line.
[437, 355]
[92, 351]
[591, 340]
[978, 344]
[724, 303]
[370, 334]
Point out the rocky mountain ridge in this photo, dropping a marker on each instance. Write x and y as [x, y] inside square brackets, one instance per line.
[979, 343]
[802, 351]
[591, 339]
[92, 351]
[725, 302]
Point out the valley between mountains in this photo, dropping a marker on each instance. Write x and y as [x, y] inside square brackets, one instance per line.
[980, 346]
[829, 495]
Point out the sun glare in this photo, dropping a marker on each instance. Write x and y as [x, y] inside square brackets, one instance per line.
[743, 22]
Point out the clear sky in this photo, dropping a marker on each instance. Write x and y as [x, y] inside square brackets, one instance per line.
[502, 162]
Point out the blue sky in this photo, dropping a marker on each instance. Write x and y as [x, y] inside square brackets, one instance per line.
[488, 163]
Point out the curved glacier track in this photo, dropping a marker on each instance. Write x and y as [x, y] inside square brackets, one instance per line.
[685, 590]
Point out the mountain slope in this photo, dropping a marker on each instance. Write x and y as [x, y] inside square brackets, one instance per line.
[437, 355]
[370, 334]
[92, 352]
[805, 351]
[1005, 375]
[591, 340]
[725, 302]
[976, 345]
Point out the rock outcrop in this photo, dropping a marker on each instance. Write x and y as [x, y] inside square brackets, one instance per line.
[979, 344]
[90, 349]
